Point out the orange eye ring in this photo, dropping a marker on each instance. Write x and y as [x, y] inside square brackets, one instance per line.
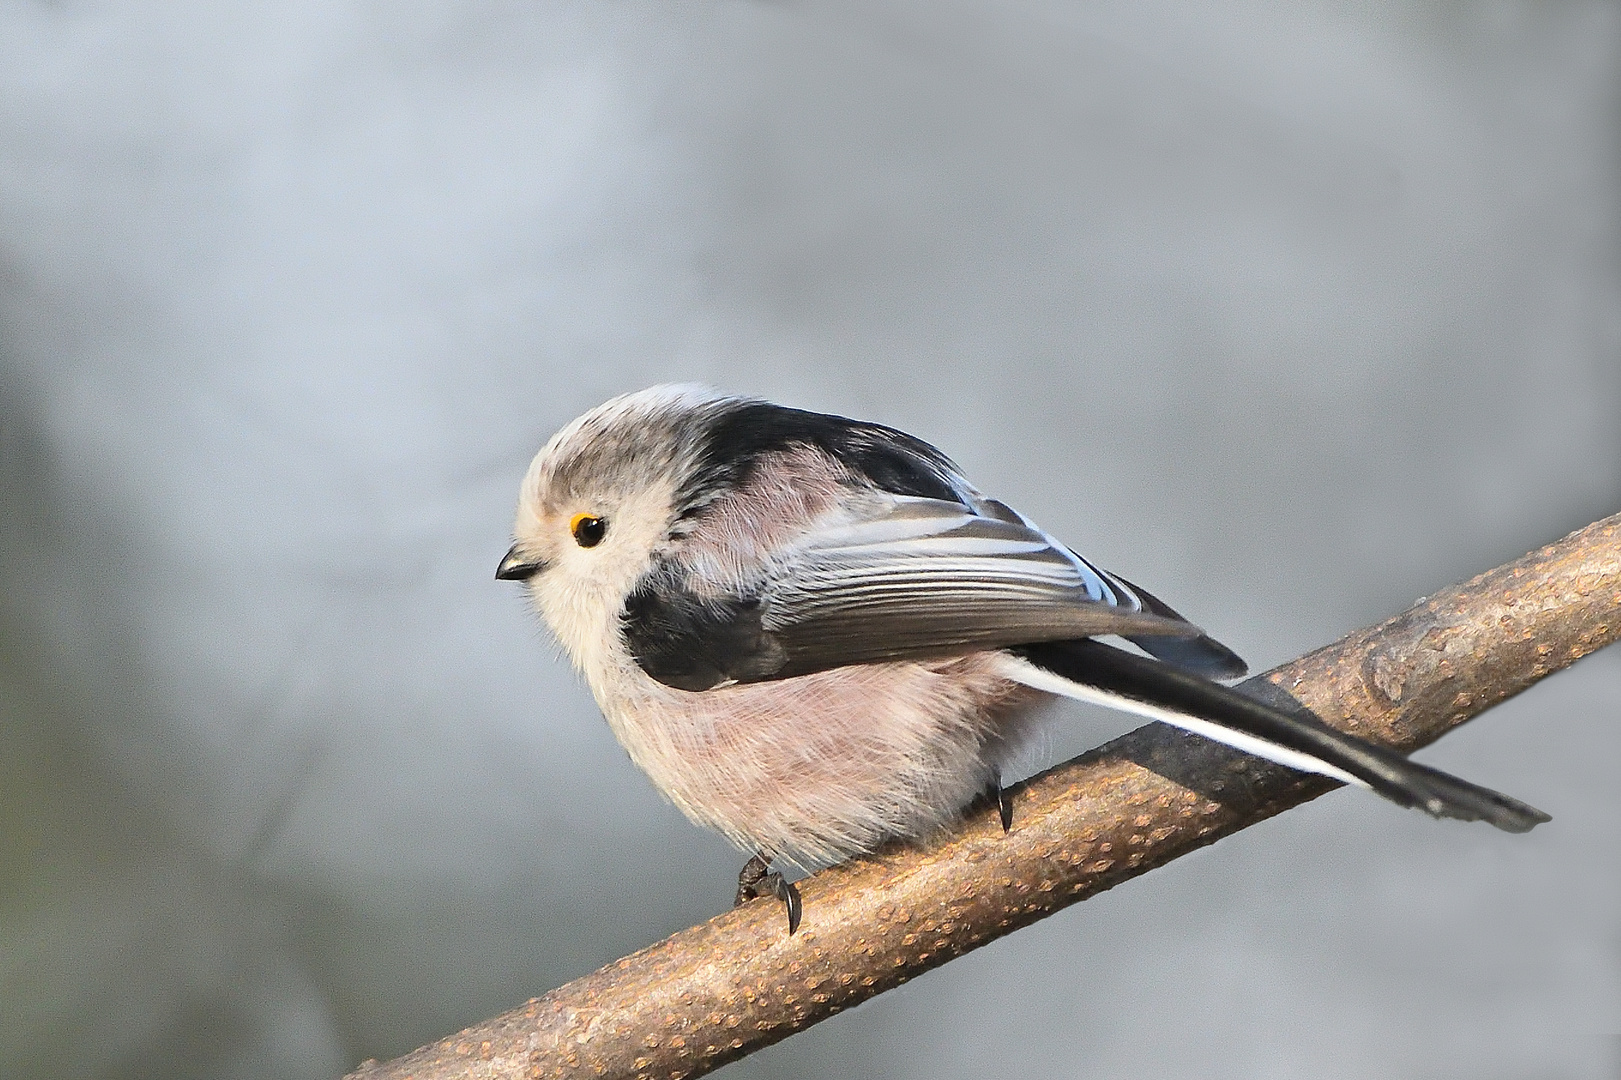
[588, 529]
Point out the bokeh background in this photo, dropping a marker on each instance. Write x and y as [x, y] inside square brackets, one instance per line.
[1293, 312]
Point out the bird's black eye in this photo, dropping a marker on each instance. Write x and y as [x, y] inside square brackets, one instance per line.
[588, 530]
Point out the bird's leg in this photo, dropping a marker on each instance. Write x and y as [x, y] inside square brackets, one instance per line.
[998, 796]
[757, 879]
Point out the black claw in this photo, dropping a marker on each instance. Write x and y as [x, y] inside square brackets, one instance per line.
[788, 893]
[757, 879]
[998, 796]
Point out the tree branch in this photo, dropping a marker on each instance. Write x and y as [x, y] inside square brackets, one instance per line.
[719, 991]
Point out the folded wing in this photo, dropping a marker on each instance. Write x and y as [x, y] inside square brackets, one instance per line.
[934, 578]
[924, 579]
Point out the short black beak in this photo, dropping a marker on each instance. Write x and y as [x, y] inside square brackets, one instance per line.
[515, 567]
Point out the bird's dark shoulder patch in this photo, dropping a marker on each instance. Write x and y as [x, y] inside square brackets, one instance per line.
[891, 460]
[696, 642]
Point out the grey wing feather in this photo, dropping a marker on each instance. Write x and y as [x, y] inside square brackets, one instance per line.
[935, 578]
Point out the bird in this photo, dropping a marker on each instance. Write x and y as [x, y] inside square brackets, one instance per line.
[816, 636]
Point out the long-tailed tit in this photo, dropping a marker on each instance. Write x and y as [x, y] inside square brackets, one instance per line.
[814, 634]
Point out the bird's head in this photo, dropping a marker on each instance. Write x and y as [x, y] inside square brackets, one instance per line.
[600, 501]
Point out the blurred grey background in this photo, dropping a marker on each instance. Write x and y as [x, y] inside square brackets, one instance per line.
[1293, 312]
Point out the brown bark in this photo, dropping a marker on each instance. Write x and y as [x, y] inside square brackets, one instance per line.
[719, 991]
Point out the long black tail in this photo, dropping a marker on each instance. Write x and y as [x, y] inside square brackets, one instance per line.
[1216, 710]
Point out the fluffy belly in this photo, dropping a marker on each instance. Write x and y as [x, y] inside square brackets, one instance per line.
[821, 767]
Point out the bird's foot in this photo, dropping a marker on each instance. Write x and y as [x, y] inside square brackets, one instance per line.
[758, 879]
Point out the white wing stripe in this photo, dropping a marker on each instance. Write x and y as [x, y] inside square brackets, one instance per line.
[934, 553]
[1022, 671]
